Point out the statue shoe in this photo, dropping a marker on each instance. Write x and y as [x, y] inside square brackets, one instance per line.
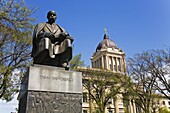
[66, 66]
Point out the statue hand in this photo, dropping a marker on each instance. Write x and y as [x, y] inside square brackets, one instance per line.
[71, 38]
[49, 35]
[63, 35]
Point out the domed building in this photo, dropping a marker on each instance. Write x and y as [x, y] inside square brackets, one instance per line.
[108, 56]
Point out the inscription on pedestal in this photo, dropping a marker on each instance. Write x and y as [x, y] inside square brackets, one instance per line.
[54, 80]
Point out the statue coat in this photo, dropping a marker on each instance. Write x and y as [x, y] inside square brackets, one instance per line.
[44, 43]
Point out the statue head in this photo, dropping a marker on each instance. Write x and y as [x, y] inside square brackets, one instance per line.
[51, 16]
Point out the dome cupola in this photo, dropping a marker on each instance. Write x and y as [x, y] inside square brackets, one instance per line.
[106, 43]
[109, 56]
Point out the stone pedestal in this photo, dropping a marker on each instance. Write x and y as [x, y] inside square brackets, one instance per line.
[47, 89]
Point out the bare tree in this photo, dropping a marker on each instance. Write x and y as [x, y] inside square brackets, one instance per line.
[102, 86]
[147, 71]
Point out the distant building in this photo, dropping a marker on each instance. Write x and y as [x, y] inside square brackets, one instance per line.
[109, 57]
[162, 102]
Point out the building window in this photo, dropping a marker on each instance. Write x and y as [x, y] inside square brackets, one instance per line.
[104, 60]
[92, 64]
[84, 111]
[119, 65]
[85, 97]
[115, 68]
[110, 63]
[169, 102]
[100, 62]
[110, 101]
[97, 63]
[110, 111]
[163, 102]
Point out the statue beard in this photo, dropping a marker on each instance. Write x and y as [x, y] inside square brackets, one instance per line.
[51, 20]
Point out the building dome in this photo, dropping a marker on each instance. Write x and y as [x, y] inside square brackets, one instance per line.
[106, 43]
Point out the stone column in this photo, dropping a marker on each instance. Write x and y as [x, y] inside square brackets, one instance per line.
[116, 106]
[102, 62]
[130, 107]
[107, 62]
[124, 65]
[120, 65]
[112, 63]
[117, 64]
[134, 107]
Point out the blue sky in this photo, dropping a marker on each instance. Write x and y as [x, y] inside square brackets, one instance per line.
[134, 25]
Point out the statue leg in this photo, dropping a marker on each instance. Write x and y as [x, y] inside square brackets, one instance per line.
[65, 57]
[45, 54]
[39, 59]
[44, 59]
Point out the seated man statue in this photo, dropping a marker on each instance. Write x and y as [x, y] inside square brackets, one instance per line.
[52, 45]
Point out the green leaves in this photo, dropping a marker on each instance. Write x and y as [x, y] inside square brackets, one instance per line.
[164, 110]
[15, 45]
[76, 62]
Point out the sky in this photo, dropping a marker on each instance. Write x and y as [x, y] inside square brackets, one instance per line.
[134, 25]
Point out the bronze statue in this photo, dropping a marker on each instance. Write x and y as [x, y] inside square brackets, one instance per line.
[52, 45]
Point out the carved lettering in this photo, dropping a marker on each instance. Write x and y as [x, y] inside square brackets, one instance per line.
[62, 79]
[45, 77]
[56, 78]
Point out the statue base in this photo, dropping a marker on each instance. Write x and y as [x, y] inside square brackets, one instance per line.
[47, 89]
